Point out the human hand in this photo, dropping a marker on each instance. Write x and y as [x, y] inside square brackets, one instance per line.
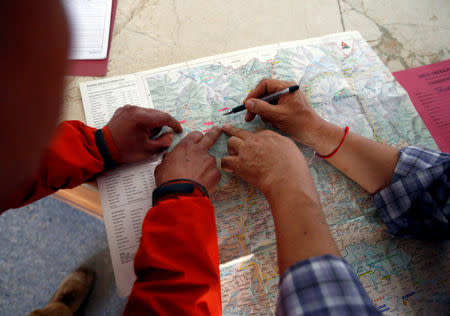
[293, 114]
[190, 160]
[264, 159]
[133, 127]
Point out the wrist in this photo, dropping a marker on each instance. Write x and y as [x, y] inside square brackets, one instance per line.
[109, 140]
[283, 190]
[106, 151]
[276, 192]
[298, 185]
[292, 197]
[325, 138]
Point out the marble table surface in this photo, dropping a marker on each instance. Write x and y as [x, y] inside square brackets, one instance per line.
[154, 33]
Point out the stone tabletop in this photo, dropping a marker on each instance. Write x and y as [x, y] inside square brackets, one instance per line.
[154, 33]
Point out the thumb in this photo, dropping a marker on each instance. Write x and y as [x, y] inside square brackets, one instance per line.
[262, 108]
[230, 163]
[160, 144]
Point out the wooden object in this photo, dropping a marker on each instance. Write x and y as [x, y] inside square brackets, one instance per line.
[84, 197]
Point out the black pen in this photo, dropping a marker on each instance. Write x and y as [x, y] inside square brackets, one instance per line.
[269, 98]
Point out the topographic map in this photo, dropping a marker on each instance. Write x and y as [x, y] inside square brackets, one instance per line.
[347, 84]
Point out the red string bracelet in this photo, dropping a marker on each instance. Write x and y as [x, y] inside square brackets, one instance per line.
[336, 150]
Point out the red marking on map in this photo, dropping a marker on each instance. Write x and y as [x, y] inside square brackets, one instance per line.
[224, 109]
[344, 45]
[182, 121]
[208, 123]
[206, 130]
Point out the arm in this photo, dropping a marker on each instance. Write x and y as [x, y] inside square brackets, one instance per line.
[410, 184]
[276, 166]
[314, 278]
[368, 163]
[417, 203]
[73, 156]
[177, 264]
[298, 219]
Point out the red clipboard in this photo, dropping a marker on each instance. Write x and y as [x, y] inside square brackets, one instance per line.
[93, 68]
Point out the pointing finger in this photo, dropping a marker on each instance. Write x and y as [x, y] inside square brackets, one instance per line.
[249, 116]
[231, 130]
[193, 137]
[210, 138]
[151, 118]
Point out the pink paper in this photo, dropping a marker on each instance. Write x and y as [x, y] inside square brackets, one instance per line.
[429, 90]
[93, 68]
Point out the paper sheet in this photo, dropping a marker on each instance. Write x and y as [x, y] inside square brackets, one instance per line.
[127, 198]
[345, 82]
[125, 192]
[429, 90]
[89, 22]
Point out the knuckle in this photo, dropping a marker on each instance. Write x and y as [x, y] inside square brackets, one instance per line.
[128, 108]
[163, 115]
[266, 133]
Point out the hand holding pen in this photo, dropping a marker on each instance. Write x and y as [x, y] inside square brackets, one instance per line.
[271, 98]
[292, 114]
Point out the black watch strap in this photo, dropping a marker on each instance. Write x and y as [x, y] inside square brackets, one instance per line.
[109, 163]
[179, 186]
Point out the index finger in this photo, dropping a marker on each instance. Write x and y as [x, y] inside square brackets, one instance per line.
[210, 138]
[230, 130]
[154, 118]
[268, 86]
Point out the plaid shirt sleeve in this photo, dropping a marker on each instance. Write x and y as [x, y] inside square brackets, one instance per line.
[324, 285]
[417, 201]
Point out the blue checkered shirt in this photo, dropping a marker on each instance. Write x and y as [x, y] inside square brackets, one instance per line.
[415, 204]
[324, 285]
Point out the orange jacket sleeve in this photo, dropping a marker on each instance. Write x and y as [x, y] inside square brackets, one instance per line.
[177, 263]
[71, 158]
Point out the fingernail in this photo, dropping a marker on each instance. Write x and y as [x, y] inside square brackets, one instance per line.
[226, 125]
[250, 104]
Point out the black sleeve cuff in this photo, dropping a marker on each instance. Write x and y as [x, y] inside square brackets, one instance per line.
[104, 152]
[178, 187]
